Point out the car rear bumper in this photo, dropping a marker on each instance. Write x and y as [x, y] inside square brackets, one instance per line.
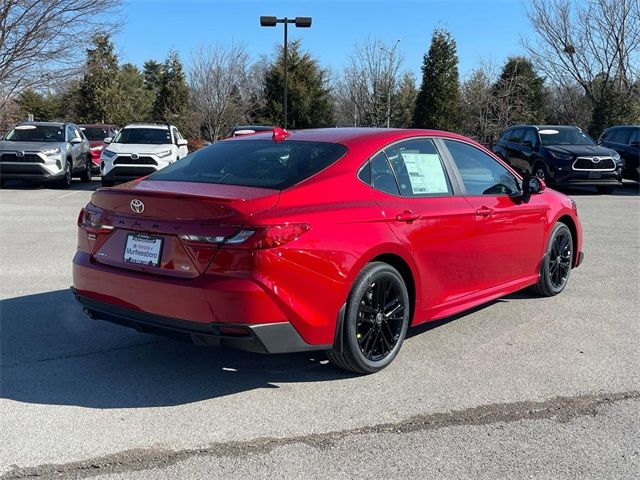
[261, 338]
[200, 308]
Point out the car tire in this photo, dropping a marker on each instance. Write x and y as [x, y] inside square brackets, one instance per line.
[65, 181]
[557, 262]
[85, 176]
[605, 190]
[375, 320]
[107, 183]
[540, 171]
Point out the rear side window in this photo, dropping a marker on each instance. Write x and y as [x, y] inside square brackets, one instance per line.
[382, 176]
[253, 163]
[481, 174]
[418, 168]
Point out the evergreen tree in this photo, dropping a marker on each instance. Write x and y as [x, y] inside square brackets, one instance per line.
[309, 101]
[98, 87]
[136, 100]
[172, 99]
[404, 102]
[152, 72]
[522, 91]
[438, 101]
[42, 107]
[613, 106]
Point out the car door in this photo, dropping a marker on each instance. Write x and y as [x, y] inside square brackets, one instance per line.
[74, 148]
[510, 229]
[515, 151]
[182, 149]
[529, 151]
[436, 226]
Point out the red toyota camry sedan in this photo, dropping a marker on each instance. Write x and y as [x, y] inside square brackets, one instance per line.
[330, 239]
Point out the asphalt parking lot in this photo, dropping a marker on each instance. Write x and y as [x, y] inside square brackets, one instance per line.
[523, 387]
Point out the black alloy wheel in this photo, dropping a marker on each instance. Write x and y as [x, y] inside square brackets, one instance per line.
[540, 171]
[557, 263]
[375, 322]
[65, 181]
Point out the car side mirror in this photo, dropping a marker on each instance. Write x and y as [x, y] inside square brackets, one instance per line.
[75, 141]
[182, 142]
[532, 185]
[108, 140]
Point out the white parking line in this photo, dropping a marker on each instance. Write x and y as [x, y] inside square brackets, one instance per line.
[73, 193]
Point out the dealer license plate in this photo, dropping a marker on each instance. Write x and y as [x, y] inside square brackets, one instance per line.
[595, 174]
[143, 249]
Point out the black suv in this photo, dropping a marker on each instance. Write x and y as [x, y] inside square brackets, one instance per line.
[560, 155]
[624, 139]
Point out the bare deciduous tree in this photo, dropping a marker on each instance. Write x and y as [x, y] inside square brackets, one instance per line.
[366, 92]
[582, 42]
[42, 42]
[222, 88]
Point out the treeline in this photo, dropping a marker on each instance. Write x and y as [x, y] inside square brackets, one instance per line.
[576, 72]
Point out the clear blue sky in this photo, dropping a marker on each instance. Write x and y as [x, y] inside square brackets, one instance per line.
[489, 30]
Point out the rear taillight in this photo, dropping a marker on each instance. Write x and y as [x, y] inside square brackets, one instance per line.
[91, 223]
[271, 236]
[258, 238]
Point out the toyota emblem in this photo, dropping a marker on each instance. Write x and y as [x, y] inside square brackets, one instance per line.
[595, 159]
[19, 154]
[134, 156]
[137, 206]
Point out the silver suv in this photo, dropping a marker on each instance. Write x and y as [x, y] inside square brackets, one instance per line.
[45, 152]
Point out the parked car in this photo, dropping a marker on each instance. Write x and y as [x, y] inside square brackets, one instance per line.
[241, 130]
[561, 156]
[45, 152]
[624, 139]
[96, 133]
[140, 149]
[327, 239]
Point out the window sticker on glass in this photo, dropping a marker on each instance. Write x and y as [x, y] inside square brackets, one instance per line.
[425, 173]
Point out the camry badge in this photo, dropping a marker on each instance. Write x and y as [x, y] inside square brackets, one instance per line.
[137, 206]
[19, 154]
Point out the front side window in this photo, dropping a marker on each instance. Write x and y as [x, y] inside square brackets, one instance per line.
[95, 133]
[70, 133]
[635, 136]
[620, 136]
[36, 133]
[530, 135]
[481, 174]
[516, 135]
[253, 163]
[418, 168]
[144, 136]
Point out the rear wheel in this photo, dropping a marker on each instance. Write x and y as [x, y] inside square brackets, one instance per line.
[605, 190]
[556, 265]
[85, 176]
[375, 322]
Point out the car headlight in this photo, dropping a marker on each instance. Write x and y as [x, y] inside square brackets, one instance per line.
[97, 148]
[164, 153]
[51, 151]
[560, 156]
[616, 157]
[109, 153]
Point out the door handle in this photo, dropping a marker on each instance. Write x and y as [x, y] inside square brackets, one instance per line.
[407, 216]
[484, 211]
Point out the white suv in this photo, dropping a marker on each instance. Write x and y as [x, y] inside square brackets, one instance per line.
[140, 149]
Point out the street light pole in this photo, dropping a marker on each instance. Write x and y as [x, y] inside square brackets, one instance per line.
[300, 22]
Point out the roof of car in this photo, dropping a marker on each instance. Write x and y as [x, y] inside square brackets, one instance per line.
[51, 124]
[149, 125]
[352, 135]
[621, 126]
[97, 125]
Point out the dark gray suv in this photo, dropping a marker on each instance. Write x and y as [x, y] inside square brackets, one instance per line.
[45, 152]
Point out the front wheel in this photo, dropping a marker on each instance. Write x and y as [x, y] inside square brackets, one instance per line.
[375, 322]
[557, 262]
[65, 181]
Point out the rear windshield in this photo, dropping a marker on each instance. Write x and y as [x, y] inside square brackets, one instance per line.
[147, 136]
[253, 163]
[36, 133]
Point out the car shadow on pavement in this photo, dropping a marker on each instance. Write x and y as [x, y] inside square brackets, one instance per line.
[628, 189]
[50, 353]
[75, 185]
